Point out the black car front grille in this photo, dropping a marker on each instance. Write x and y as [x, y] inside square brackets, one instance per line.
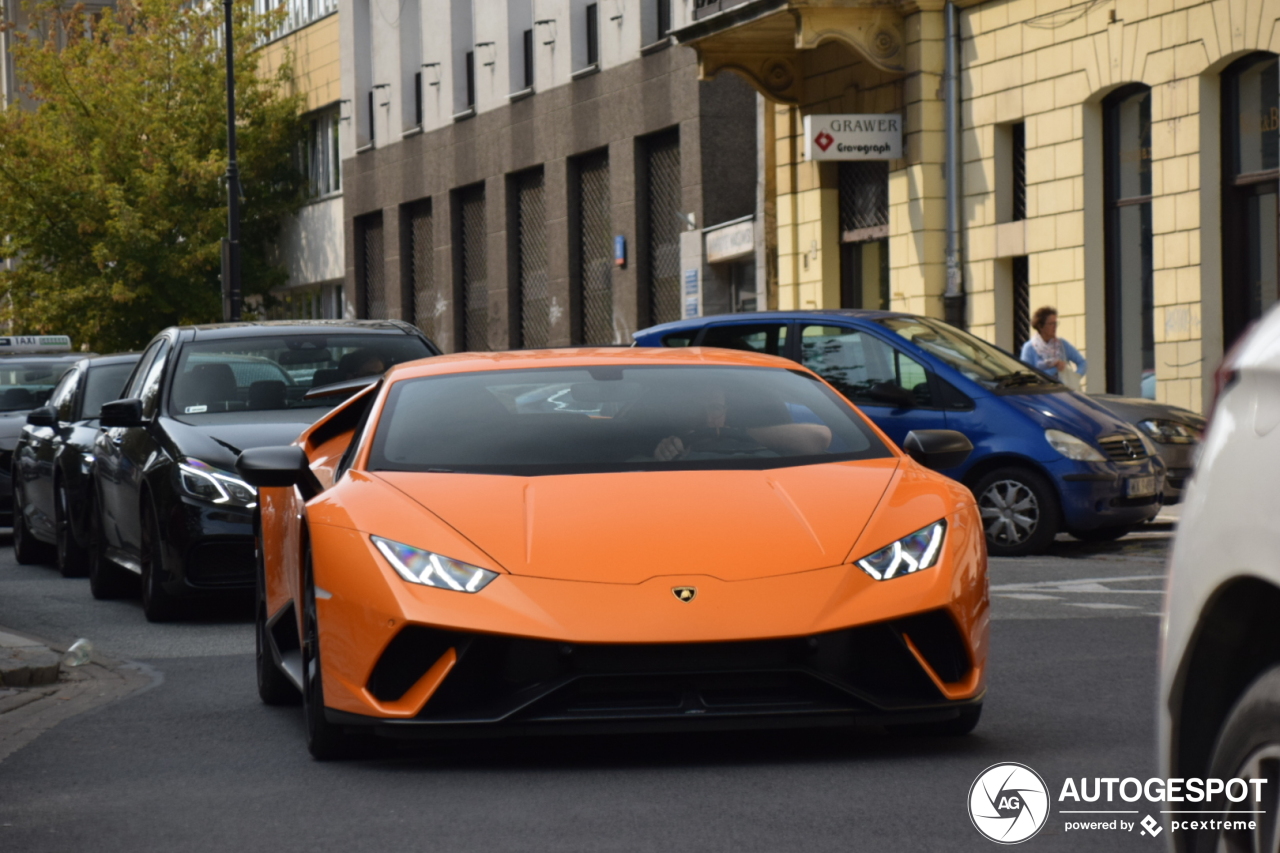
[1123, 448]
[221, 564]
[499, 678]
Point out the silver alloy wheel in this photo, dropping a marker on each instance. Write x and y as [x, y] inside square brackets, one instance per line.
[1010, 512]
[1264, 763]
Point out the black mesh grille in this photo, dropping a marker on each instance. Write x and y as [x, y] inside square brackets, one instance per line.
[426, 302]
[375, 288]
[475, 281]
[864, 195]
[595, 251]
[535, 300]
[664, 227]
[1021, 302]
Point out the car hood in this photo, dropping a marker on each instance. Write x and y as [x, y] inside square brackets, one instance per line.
[1070, 412]
[1135, 409]
[630, 527]
[220, 444]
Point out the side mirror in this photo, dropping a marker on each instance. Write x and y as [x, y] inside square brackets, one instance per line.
[937, 448]
[276, 467]
[896, 395]
[45, 416]
[121, 413]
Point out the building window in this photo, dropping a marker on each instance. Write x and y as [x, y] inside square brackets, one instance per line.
[662, 222]
[471, 78]
[593, 34]
[1250, 159]
[592, 275]
[370, 265]
[528, 58]
[1018, 164]
[533, 317]
[321, 157]
[298, 13]
[1021, 302]
[471, 269]
[425, 303]
[864, 234]
[664, 18]
[1129, 277]
[373, 120]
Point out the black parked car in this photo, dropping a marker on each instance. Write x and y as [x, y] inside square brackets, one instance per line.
[52, 461]
[168, 504]
[29, 368]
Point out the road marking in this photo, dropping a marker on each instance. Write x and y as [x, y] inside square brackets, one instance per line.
[1029, 596]
[1100, 605]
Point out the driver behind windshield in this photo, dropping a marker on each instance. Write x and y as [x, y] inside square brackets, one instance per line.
[712, 437]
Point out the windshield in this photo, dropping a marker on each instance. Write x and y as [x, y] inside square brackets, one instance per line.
[105, 383]
[598, 419]
[26, 384]
[975, 358]
[271, 373]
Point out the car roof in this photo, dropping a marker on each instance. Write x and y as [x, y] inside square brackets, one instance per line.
[113, 358]
[267, 328]
[767, 316]
[472, 362]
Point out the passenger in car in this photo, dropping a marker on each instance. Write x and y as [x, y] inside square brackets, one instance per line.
[713, 437]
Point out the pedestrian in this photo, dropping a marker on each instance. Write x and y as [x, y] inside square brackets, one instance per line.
[1047, 352]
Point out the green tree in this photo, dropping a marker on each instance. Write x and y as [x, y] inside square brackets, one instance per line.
[111, 192]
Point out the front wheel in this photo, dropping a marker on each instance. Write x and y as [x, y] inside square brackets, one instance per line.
[158, 605]
[27, 550]
[73, 557]
[1020, 511]
[1248, 748]
[106, 579]
[325, 740]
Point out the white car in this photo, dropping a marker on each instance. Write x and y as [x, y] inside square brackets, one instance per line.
[1220, 657]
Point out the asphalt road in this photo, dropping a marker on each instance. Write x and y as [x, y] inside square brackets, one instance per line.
[194, 762]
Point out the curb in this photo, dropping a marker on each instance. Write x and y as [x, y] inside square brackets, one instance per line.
[25, 663]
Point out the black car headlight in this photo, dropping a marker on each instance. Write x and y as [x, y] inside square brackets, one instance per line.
[1169, 432]
[429, 569]
[203, 481]
[912, 553]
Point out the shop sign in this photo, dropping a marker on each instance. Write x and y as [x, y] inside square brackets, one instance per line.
[853, 136]
[731, 242]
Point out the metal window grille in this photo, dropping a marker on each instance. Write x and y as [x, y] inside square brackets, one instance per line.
[531, 243]
[864, 195]
[1019, 159]
[595, 250]
[427, 303]
[664, 227]
[475, 281]
[375, 287]
[1021, 303]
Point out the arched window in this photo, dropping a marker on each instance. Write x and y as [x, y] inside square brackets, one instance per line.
[1129, 291]
[1250, 159]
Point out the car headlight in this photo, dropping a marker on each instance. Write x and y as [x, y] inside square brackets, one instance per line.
[209, 484]
[1073, 448]
[911, 553]
[1169, 432]
[418, 566]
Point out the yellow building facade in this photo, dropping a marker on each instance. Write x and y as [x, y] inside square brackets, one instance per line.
[1118, 162]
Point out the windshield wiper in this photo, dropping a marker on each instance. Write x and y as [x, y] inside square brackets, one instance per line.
[1013, 380]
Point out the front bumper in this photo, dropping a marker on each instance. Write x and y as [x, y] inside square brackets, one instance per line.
[210, 548]
[1094, 493]
[812, 647]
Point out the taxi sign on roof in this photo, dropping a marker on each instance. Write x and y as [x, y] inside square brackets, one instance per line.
[34, 343]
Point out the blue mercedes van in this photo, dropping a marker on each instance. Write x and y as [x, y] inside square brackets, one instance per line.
[1044, 459]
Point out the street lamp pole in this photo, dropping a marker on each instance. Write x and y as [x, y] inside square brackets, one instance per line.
[231, 244]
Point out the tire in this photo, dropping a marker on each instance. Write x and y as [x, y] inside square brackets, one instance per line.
[106, 580]
[961, 725]
[1020, 511]
[325, 741]
[1248, 747]
[1103, 534]
[158, 605]
[27, 550]
[274, 687]
[73, 557]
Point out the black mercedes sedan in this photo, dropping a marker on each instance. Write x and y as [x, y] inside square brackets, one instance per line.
[52, 461]
[168, 505]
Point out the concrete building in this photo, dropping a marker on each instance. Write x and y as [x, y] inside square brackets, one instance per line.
[522, 173]
[1118, 160]
[311, 242]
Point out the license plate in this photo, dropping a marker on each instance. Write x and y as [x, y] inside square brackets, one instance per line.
[1140, 487]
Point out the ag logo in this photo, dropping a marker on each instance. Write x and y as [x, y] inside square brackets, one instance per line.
[823, 140]
[1008, 803]
[685, 593]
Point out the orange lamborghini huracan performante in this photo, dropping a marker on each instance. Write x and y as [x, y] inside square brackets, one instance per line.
[621, 539]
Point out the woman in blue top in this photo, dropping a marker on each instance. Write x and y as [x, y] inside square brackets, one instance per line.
[1046, 351]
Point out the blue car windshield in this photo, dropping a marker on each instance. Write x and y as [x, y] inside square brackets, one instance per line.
[975, 358]
[581, 420]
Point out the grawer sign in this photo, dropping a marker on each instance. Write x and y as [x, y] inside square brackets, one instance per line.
[853, 136]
